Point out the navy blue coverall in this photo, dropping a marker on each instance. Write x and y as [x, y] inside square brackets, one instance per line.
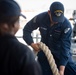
[16, 58]
[56, 37]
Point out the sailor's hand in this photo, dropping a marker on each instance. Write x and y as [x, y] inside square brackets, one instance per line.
[61, 73]
[35, 46]
[62, 68]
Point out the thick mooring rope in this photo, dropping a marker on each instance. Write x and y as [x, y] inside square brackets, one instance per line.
[50, 58]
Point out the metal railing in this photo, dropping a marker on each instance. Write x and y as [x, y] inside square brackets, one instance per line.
[37, 38]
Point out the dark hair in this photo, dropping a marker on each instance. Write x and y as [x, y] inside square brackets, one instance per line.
[10, 20]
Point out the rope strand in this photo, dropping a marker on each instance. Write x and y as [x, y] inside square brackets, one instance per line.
[50, 58]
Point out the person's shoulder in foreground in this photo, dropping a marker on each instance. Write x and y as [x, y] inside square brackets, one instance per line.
[15, 57]
[18, 57]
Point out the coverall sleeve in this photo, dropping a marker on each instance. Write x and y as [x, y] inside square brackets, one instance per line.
[65, 44]
[29, 27]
